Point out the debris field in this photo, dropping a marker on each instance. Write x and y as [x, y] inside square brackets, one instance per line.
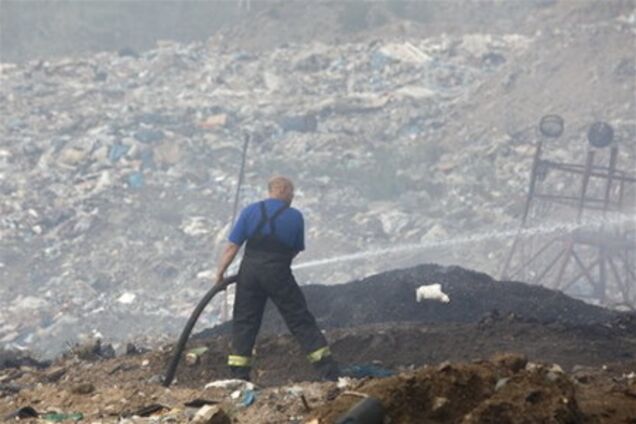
[498, 362]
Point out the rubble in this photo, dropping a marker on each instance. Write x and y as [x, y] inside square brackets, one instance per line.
[426, 364]
[480, 391]
[211, 414]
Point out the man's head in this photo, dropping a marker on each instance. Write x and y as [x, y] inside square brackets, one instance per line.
[281, 188]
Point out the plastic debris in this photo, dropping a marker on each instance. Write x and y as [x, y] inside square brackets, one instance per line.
[117, 151]
[366, 370]
[302, 123]
[344, 382]
[127, 298]
[230, 384]
[248, 398]
[136, 180]
[211, 414]
[60, 417]
[215, 121]
[193, 356]
[431, 292]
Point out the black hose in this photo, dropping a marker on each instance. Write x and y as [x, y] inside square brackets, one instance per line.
[185, 334]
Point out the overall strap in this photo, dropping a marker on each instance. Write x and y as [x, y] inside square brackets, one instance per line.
[272, 220]
[263, 220]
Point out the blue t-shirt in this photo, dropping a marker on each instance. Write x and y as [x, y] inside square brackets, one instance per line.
[290, 226]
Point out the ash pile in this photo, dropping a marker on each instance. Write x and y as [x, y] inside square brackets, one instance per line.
[382, 320]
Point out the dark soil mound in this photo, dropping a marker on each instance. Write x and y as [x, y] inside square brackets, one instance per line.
[378, 320]
[486, 392]
[390, 297]
[279, 360]
[16, 359]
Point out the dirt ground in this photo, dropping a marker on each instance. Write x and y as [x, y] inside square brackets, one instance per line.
[505, 388]
[572, 362]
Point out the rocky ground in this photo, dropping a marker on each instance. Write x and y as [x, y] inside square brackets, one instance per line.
[425, 361]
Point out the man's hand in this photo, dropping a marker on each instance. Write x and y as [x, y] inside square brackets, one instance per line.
[226, 259]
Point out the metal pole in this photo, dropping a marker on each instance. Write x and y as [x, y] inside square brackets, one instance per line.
[610, 179]
[237, 197]
[602, 275]
[586, 179]
[533, 180]
[564, 264]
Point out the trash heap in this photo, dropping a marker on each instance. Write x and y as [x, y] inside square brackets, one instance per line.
[502, 388]
[421, 357]
[118, 170]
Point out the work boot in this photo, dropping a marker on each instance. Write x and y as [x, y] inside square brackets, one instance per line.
[328, 369]
[240, 373]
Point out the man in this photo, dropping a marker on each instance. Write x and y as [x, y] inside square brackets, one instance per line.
[274, 233]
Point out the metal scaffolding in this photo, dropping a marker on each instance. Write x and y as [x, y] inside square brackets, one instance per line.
[596, 258]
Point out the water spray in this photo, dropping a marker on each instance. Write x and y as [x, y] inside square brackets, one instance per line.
[563, 227]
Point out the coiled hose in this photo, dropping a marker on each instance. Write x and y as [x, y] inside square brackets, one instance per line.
[185, 334]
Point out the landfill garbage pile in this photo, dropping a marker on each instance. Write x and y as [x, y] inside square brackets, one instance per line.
[117, 170]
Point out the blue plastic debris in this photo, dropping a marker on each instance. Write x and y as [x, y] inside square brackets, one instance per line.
[243, 56]
[136, 180]
[379, 60]
[299, 123]
[117, 151]
[147, 159]
[366, 370]
[249, 396]
[149, 135]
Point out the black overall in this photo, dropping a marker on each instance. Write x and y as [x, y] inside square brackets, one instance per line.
[265, 272]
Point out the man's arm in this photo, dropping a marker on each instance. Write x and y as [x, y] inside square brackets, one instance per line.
[226, 259]
[237, 237]
[300, 237]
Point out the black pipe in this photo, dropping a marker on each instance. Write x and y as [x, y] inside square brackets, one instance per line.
[367, 411]
[185, 334]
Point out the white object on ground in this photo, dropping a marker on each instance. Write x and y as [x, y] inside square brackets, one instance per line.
[209, 414]
[344, 382]
[231, 384]
[431, 292]
[127, 298]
